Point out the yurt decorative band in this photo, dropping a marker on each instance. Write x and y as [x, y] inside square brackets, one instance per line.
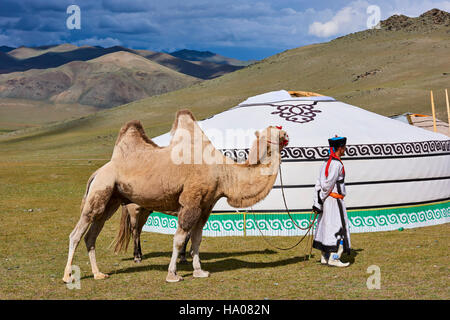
[368, 151]
[280, 224]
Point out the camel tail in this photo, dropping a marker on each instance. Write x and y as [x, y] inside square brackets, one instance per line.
[123, 237]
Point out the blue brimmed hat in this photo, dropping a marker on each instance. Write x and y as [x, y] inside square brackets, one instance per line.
[337, 142]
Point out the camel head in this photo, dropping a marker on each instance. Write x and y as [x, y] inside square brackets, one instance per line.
[273, 138]
[281, 135]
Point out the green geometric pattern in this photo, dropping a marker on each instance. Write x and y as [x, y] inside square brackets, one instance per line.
[280, 224]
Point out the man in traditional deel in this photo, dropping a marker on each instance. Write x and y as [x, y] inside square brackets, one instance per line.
[332, 236]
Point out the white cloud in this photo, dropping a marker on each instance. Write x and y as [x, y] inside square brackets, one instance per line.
[353, 17]
[105, 42]
[349, 19]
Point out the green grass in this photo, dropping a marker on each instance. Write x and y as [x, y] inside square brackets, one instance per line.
[414, 263]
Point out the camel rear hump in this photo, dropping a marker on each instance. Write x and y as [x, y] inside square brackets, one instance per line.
[185, 116]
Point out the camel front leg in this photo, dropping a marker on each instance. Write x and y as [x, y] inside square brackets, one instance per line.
[178, 241]
[188, 216]
[196, 237]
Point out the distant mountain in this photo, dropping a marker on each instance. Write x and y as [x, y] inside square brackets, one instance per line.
[207, 70]
[56, 82]
[107, 81]
[6, 49]
[54, 57]
[8, 63]
[194, 55]
[44, 57]
[23, 52]
[26, 52]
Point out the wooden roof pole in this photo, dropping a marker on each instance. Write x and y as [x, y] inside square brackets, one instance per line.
[433, 111]
[448, 111]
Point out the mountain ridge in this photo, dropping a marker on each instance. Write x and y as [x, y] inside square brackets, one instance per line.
[429, 19]
[194, 55]
[106, 81]
[384, 71]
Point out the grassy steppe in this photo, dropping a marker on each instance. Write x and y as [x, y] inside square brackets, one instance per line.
[414, 263]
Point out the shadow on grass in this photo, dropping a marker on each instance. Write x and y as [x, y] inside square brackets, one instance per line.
[206, 255]
[351, 257]
[227, 264]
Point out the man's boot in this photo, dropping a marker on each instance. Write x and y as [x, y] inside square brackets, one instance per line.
[335, 262]
[324, 257]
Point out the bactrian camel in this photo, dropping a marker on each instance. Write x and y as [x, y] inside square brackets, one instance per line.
[186, 178]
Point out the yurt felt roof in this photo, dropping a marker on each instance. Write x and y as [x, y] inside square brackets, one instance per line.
[309, 121]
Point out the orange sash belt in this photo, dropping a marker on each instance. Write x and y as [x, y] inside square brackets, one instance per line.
[336, 195]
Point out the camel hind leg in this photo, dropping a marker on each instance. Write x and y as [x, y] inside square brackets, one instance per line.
[141, 216]
[94, 231]
[99, 190]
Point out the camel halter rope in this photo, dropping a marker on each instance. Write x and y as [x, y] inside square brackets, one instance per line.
[309, 228]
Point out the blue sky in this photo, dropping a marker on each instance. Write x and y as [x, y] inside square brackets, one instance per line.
[242, 29]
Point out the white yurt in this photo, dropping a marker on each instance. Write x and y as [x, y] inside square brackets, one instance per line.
[397, 175]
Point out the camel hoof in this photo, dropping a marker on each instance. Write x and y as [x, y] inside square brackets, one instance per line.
[183, 260]
[201, 274]
[173, 278]
[100, 276]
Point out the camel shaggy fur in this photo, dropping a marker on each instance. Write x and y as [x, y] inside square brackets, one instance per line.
[186, 179]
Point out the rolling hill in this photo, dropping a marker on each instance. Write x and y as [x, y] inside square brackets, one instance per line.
[59, 75]
[25, 58]
[104, 82]
[25, 52]
[54, 56]
[388, 71]
[6, 49]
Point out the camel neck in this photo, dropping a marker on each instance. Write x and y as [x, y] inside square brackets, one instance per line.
[246, 184]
